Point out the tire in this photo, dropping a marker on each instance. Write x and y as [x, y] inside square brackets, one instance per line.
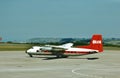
[30, 55]
[61, 56]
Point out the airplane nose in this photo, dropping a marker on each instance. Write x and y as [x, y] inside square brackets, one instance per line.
[26, 51]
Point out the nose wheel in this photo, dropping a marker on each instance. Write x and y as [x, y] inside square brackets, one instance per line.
[30, 55]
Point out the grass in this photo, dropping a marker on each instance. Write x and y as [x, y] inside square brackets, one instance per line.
[23, 47]
[111, 48]
[14, 47]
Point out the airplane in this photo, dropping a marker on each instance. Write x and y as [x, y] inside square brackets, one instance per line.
[67, 49]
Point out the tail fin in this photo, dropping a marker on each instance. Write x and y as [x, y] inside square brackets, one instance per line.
[95, 43]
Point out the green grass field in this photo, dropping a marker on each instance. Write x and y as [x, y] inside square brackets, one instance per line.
[14, 47]
[111, 48]
[23, 47]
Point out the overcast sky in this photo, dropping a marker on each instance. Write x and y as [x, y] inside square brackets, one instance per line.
[24, 19]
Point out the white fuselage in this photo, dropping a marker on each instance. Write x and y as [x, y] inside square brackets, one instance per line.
[36, 50]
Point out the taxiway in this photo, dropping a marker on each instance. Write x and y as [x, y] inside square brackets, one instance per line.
[17, 64]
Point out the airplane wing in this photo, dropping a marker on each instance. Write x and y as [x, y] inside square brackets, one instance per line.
[57, 50]
[62, 47]
[53, 49]
[67, 45]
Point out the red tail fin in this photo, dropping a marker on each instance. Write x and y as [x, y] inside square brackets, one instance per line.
[95, 43]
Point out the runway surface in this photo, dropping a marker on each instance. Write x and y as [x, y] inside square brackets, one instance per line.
[17, 64]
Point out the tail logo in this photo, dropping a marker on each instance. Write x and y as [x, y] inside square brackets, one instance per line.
[96, 42]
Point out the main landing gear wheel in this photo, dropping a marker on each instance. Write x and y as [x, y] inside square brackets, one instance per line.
[61, 56]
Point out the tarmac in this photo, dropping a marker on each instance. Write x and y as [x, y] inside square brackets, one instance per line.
[17, 64]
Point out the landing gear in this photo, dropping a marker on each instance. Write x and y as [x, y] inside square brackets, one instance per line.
[61, 56]
[30, 55]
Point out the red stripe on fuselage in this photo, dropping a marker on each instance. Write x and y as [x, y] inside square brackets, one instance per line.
[72, 52]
